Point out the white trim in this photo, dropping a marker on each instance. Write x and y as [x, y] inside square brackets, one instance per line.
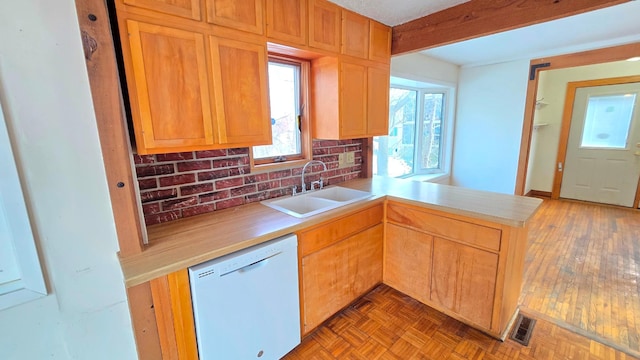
[31, 283]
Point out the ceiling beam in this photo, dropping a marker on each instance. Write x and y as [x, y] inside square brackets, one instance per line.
[478, 18]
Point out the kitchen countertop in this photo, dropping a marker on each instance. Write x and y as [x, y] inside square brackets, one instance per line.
[182, 243]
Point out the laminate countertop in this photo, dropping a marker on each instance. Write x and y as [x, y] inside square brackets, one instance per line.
[186, 242]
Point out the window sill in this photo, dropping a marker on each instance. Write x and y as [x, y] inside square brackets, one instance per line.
[436, 178]
[263, 168]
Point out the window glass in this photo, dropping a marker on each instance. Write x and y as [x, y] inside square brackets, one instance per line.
[414, 143]
[431, 131]
[284, 93]
[393, 155]
[607, 121]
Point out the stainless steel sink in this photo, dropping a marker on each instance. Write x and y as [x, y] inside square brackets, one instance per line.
[317, 201]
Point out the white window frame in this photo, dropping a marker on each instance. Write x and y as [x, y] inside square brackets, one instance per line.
[446, 131]
[30, 285]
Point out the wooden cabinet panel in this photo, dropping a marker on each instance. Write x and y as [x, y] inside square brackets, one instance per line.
[464, 280]
[174, 315]
[241, 91]
[327, 234]
[170, 77]
[379, 42]
[183, 8]
[473, 234]
[407, 261]
[246, 15]
[336, 275]
[287, 20]
[324, 25]
[378, 101]
[355, 35]
[353, 100]
[350, 97]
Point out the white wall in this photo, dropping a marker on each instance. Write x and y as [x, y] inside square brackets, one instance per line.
[488, 126]
[552, 87]
[45, 94]
[423, 68]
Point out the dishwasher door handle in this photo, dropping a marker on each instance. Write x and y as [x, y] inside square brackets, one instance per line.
[251, 266]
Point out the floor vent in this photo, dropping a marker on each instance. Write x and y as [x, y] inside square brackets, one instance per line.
[522, 329]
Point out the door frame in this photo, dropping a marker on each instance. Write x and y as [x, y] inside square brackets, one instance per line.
[599, 56]
[565, 126]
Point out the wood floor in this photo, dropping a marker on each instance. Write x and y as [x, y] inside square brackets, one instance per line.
[582, 271]
[581, 284]
[388, 325]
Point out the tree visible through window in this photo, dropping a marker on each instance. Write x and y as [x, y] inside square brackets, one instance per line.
[414, 143]
[285, 101]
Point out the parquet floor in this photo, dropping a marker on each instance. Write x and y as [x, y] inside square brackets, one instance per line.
[582, 270]
[388, 325]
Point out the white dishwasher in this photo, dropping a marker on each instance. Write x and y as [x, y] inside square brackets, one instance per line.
[246, 304]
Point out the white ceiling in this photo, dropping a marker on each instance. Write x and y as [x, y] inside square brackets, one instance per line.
[394, 12]
[614, 25]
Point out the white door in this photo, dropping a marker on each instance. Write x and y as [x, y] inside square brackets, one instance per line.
[603, 152]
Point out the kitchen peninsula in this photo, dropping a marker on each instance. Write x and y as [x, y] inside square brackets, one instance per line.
[458, 250]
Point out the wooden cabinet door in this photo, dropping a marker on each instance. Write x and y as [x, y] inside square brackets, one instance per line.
[353, 100]
[379, 42]
[184, 8]
[245, 15]
[464, 280]
[287, 20]
[169, 82]
[378, 101]
[355, 35]
[241, 89]
[324, 25]
[407, 262]
[336, 275]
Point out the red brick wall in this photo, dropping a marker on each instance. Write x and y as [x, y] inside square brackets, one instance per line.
[178, 185]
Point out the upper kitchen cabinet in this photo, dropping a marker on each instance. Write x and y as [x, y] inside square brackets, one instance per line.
[379, 42]
[245, 15]
[355, 35]
[287, 21]
[190, 89]
[324, 25]
[183, 8]
[168, 88]
[241, 89]
[350, 98]
[378, 82]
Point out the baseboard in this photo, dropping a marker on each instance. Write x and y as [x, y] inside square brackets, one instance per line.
[538, 193]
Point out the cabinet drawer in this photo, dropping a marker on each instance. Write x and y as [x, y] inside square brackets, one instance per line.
[336, 230]
[472, 234]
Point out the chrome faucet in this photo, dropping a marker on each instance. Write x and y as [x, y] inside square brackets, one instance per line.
[319, 182]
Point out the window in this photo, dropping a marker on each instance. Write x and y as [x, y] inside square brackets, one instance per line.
[608, 121]
[415, 141]
[287, 93]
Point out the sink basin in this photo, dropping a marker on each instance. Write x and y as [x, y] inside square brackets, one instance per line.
[315, 202]
[341, 194]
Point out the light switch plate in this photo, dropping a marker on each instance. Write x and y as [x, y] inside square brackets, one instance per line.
[341, 159]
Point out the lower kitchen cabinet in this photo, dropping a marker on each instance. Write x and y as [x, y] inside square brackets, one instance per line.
[464, 280]
[407, 261]
[468, 268]
[349, 264]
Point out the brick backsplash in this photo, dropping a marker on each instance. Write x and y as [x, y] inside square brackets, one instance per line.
[179, 185]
